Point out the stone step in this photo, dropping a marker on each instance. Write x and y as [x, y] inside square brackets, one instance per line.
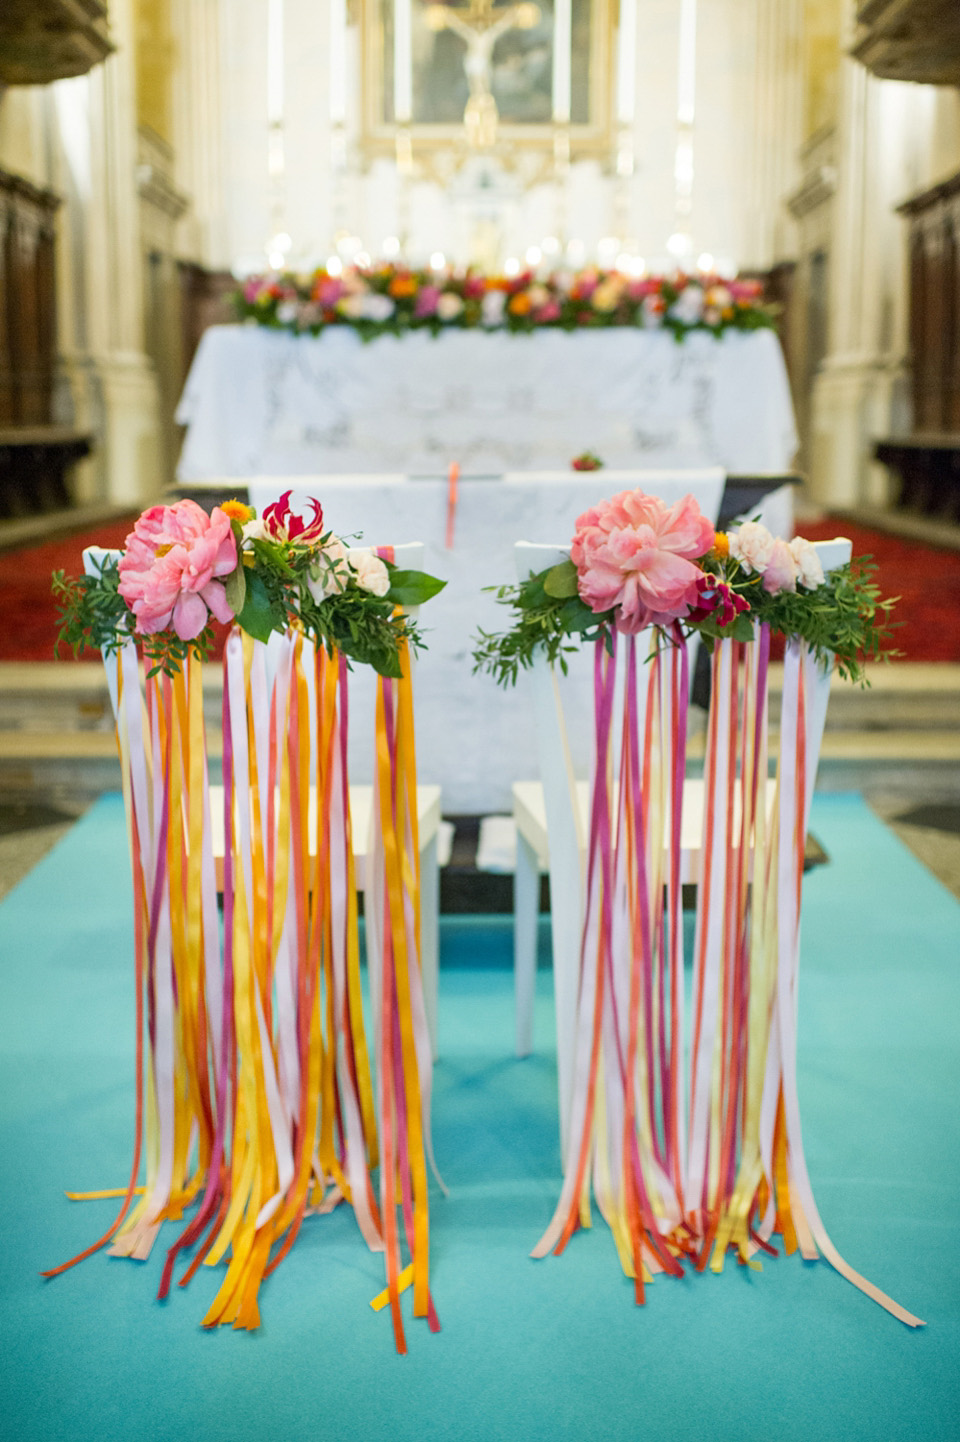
[901, 735]
[904, 696]
[73, 765]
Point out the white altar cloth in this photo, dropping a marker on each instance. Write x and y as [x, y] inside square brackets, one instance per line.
[267, 403]
[473, 738]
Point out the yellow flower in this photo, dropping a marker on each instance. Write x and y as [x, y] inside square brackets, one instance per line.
[520, 304]
[607, 295]
[721, 545]
[237, 511]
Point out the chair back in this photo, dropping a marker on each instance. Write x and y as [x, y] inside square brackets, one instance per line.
[568, 844]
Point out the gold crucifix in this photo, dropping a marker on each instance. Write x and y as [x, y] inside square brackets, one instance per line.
[480, 25]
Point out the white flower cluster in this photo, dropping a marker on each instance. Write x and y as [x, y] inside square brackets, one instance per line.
[781, 564]
[336, 565]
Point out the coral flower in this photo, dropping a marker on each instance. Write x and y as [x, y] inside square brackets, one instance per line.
[636, 554]
[403, 286]
[169, 570]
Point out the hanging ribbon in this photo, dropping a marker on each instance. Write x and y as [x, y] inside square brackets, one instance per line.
[254, 1086]
[736, 1173]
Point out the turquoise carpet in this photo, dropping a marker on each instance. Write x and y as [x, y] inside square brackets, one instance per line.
[529, 1350]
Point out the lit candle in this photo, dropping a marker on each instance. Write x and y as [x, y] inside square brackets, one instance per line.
[562, 46]
[402, 62]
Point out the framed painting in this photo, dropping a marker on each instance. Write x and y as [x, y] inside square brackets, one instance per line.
[488, 72]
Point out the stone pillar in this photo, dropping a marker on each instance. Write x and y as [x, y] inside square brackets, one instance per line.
[775, 133]
[859, 394]
[197, 139]
[110, 385]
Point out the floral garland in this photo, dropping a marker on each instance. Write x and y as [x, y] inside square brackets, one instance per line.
[637, 563]
[182, 568]
[387, 299]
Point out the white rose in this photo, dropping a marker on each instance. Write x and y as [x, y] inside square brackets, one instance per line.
[493, 305]
[352, 306]
[369, 571]
[809, 569]
[331, 568]
[752, 546]
[287, 311]
[688, 306]
[449, 306]
[254, 530]
[377, 307]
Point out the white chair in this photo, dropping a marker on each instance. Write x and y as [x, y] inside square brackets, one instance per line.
[551, 817]
[409, 557]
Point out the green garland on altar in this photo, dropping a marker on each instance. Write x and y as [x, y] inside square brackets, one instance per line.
[387, 299]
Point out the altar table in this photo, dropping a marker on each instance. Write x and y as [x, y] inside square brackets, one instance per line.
[474, 739]
[267, 403]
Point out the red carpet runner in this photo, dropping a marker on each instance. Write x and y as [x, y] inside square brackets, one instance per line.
[924, 577]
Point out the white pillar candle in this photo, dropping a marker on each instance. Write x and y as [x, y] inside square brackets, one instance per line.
[627, 62]
[562, 44]
[402, 62]
[338, 62]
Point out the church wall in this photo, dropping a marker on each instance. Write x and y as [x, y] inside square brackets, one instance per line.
[316, 199]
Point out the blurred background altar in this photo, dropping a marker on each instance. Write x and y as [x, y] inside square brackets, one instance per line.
[157, 155]
[156, 158]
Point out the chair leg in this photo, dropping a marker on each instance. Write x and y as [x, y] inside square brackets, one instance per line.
[429, 937]
[526, 898]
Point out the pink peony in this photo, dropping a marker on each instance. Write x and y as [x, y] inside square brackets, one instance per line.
[636, 553]
[427, 300]
[548, 312]
[168, 570]
[780, 572]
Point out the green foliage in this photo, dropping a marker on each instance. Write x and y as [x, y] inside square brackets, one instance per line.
[844, 618]
[94, 616]
[266, 596]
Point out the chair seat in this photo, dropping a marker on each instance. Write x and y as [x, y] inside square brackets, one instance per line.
[361, 808]
[530, 814]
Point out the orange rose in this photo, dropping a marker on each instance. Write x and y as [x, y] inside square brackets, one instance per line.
[520, 304]
[403, 286]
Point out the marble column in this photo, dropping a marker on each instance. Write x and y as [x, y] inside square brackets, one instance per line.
[110, 384]
[859, 392]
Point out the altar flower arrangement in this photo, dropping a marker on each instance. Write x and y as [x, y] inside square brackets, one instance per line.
[637, 563]
[182, 569]
[390, 299]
